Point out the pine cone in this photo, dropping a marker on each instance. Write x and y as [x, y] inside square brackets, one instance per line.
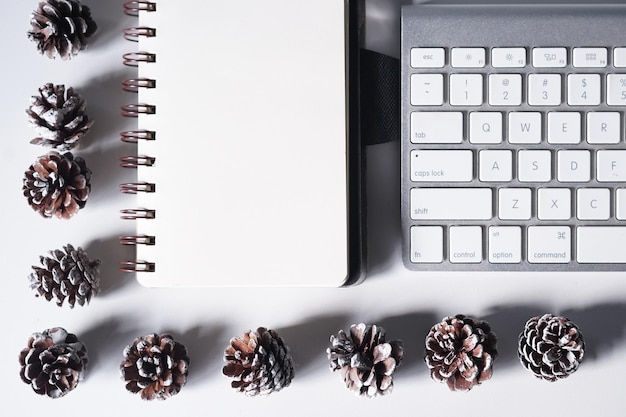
[551, 347]
[460, 351]
[366, 361]
[59, 120]
[61, 27]
[53, 362]
[66, 274]
[259, 362]
[155, 366]
[57, 185]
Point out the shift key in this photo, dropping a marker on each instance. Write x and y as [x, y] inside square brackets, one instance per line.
[442, 166]
[451, 204]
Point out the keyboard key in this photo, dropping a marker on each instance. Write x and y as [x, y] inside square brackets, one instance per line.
[427, 89]
[583, 89]
[616, 89]
[466, 89]
[495, 165]
[603, 127]
[468, 57]
[428, 57]
[573, 166]
[505, 89]
[485, 127]
[593, 203]
[508, 57]
[620, 204]
[534, 166]
[544, 89]
[564, 127]
[525, 127]
[505, 244]
[611, 166]
[426, 244]
[437, 127]
[554, 204]
[619, 57]
[549, 57]
[549, 244]
[514, 203]
[590, 57]
[601, 244]
[442, 165]
[466, 244]
[451, 203]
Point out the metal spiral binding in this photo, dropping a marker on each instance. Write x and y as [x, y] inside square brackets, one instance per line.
[134, 59]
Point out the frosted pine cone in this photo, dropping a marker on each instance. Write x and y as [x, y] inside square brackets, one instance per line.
[460, 351]
[59, 118]
[551, 347]
[53, 362]
[366, 361]
[259, 363]
[61, 27]
[57, 185]
[155, 366]
[66, 275]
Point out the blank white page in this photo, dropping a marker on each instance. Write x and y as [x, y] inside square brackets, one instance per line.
[250, 153]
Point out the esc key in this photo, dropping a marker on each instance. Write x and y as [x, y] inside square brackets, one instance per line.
[428, 57]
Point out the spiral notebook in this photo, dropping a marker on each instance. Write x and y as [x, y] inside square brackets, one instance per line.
[248, 156]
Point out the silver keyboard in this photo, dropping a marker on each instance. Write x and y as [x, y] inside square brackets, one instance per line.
[513, 144]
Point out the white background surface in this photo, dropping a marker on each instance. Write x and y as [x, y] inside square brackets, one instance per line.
[406, 304]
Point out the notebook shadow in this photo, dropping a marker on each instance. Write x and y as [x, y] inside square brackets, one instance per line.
[111, 20]
[308, 341]
[110, 252]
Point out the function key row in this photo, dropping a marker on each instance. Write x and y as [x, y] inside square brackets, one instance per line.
[516, 57]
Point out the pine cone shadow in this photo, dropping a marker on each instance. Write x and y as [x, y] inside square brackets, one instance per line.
[111, 20]
[205, 348]
[110, 252]
[106, 341]
[411, 329]
[602, 326]
[308, 341]
[507, 323]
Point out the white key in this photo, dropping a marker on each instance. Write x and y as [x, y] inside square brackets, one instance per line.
[436, 127]
[426, 244]
[620, 204]
[554, 204]
[544, 89]
[611, 166]
[573, 166]
[593, 203]
[428, 57]
[525, 127]
[485, 127]
[426, 89]
[495, 166]
[508, 57]
[590, 57]
[505, 89]
[564, 127]
[549, 244]
[583, 89]
[619, 57]
[466, 89]
[505, 244]
[601, 244]
[534, 166]
[451, 203]
[466, 244]
[549, 57]
[616, 89]
[442, 165]
[468, 57]
[514, 203]
[603, 127]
